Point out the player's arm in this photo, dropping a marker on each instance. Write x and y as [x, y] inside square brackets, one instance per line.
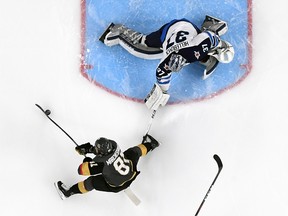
[84, 149]
[163, 75]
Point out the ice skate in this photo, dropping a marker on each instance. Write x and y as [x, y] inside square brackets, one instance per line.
[111, 35]
[62, 190]
[211, 65]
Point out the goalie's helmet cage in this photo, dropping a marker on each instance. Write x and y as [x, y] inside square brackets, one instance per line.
[103, 146]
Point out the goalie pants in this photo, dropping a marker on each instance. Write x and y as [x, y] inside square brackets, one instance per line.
[156, 39]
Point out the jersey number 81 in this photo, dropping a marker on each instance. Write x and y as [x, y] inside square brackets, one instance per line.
[122, 165]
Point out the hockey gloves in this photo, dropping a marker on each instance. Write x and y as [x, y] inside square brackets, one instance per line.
[149, 139]
[84, 149]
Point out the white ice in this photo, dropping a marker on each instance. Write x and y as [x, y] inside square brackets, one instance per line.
[246, 126]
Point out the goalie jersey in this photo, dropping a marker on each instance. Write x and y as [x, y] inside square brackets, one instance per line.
[182, 44]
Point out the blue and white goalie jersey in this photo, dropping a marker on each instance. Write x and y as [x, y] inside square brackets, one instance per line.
[182, 44]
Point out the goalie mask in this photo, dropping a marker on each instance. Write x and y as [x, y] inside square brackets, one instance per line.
[224, 52]
[103, 146]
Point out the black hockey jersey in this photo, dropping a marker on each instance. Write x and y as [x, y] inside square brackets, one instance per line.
[117, 169]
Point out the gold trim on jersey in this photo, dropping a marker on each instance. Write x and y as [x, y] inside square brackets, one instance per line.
[134, 173]
[85, 169]
[143, 149]
[81, 187]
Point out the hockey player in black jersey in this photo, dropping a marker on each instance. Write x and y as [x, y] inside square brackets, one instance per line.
[111, 170]
[177, 43]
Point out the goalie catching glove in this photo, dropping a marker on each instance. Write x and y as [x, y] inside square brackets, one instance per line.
[156, 97]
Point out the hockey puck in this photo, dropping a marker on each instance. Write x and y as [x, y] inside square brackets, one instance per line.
[47, 112]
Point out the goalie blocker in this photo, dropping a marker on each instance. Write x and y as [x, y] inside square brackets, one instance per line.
[156, 97]
[224, 52]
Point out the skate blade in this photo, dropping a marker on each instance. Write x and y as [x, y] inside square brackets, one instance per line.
[62, 196]
[102, 37]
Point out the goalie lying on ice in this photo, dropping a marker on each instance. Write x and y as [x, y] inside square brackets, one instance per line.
[177, 43]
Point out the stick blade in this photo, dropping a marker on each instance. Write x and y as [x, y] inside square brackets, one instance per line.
[132, 196]
[40, 107]
[218, 161]
[46, 112]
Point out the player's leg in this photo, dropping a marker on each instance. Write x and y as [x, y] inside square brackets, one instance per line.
[154, 39]
[66, 192]
[93, 182]
[131, 40]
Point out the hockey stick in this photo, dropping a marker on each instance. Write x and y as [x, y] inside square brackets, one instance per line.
[220, 166]
[151, 121]
[127, 191]
[132, 196]
[47, 113]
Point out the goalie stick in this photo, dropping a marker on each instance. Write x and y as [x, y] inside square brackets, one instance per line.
[220, 166]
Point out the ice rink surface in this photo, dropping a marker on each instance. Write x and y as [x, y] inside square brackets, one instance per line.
[116, 70]
[246, 126]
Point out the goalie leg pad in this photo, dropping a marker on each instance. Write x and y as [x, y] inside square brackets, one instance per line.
[156, 98]
[215, 25]
[130, 40]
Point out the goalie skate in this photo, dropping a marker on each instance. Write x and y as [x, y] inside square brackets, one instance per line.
[108, 37]
[114, 32]
[211, 65]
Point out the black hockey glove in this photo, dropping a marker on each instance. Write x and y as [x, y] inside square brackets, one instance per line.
[87, 159]
[84, 148]
[149, 139]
